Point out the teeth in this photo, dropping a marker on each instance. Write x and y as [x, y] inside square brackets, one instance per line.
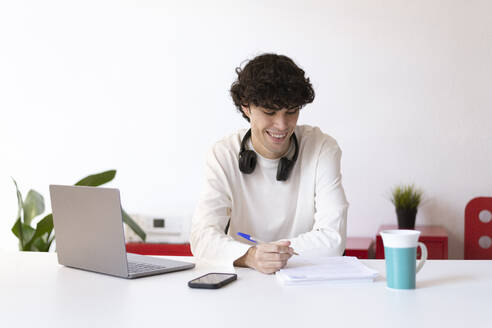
[277, 135]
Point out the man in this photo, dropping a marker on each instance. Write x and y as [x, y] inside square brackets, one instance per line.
[278, 182]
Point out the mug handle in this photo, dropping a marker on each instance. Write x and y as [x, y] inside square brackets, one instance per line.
[423, 258]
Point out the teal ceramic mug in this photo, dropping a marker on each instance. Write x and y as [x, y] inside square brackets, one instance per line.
[400, 252]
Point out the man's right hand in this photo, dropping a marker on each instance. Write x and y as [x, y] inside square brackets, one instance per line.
[268, 257]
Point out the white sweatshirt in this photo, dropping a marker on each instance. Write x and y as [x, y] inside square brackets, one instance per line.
[309, 209]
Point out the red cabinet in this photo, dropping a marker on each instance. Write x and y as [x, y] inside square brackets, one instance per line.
[434, 237]
[159, 249]
[356, 246]
[360, 247]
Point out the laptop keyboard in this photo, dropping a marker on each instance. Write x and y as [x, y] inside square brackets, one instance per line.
[136, 267]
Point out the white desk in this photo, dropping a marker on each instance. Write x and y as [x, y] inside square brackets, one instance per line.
[35, 291]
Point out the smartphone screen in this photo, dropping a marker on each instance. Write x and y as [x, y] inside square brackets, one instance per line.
[212, 280]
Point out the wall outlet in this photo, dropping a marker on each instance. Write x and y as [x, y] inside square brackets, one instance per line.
[160, 229]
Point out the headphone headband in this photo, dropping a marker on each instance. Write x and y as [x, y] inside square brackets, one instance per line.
[245, 139]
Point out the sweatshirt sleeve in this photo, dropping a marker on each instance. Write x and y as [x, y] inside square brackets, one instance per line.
[207, 237]
[329, 233]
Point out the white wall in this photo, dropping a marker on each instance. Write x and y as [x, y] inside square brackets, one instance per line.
[142, 87]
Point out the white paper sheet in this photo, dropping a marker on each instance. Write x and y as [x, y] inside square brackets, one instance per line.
[303, 270]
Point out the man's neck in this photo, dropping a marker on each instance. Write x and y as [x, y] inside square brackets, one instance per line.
[260, 149]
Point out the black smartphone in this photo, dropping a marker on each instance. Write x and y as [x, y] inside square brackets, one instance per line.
[212, 280]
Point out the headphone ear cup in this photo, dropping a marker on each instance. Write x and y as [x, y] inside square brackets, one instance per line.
[283, 169]
[247, 161]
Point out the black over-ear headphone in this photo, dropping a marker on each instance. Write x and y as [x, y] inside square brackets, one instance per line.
[247, 159]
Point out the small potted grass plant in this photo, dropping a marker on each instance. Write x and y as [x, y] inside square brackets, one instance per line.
[406, 199]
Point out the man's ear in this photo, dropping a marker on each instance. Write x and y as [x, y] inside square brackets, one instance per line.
[246, 111]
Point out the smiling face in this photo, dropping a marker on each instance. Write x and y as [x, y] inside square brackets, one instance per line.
[271, 129]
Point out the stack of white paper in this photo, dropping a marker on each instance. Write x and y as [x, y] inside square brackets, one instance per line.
[302, 270]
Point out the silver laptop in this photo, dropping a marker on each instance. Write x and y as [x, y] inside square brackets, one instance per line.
[89, 234]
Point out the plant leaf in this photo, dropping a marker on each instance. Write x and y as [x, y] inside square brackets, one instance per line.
[44, 227]
[28, 233]
[33, 206]
[39, 245]
[48, 245]
[17, 228]
[406, 196]
[133, 225]
[98, 179]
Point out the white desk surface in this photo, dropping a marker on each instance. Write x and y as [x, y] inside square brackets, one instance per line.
[35, 291]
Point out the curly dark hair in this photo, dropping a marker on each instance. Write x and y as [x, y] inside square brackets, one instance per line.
[271, 81]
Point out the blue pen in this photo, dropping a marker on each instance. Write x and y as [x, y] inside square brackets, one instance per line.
[254, 239]
[250, 238]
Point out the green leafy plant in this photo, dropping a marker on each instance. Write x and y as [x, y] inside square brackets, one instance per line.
[406, 197]
[39, 239]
